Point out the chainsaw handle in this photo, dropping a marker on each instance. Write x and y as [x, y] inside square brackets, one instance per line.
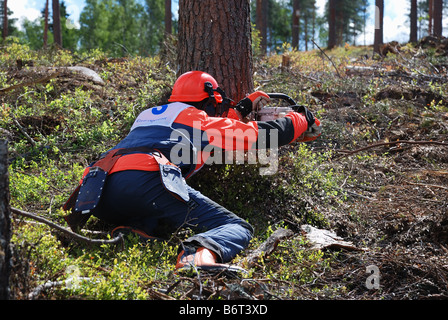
[282, 96]
[293, 104]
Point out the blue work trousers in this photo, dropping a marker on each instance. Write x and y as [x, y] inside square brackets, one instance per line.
[138, 199]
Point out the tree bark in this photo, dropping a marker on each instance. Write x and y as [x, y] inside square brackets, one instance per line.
[437, 16]
[5, 223]
[215, 37]
[414, 19]
[5, 19]
[46, 25]
[305, 27]
[168, 18]
[431, 17]
[332, 25]
[261, 24]
[57, 29]
[295, 24]
[379, 14]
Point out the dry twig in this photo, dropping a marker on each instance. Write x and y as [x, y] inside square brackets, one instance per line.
[65, 231]
[29, 83]
[337, 71]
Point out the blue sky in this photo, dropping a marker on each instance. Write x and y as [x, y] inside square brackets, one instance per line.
[394, 21]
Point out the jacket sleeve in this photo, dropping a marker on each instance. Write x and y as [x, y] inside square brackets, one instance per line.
[231, 134]
[288, 129]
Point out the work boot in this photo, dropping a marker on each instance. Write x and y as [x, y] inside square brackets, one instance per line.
[203, 259]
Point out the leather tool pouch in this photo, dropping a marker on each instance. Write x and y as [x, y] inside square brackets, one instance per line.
[172, 178]
[87, 195]
[174, 182]
[91, 189]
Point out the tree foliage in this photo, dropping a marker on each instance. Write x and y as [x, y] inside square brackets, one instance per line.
[137, 27]
[122, 27]
[350, 20]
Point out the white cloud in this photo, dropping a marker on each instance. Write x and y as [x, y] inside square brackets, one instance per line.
[395, 29]
[396, 26]
[31, 10]
[74, 8]
[320, 4]
[24, 9]
[395, 21]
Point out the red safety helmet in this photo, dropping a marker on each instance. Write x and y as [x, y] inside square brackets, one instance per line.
[195, 86]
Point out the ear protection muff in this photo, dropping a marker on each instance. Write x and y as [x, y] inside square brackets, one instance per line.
[212, 107]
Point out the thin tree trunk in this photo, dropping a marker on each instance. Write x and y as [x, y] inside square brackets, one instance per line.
[5, 223]
[217, 42]
[5, 19]
[379, 14]
[295, 24]
[314, 22]
[306, 31]
[414, 19]
[261, 24]
[332, 25]
[431, 17]
[437, 15]
[57, 29]
[168, 18]
[46, 25]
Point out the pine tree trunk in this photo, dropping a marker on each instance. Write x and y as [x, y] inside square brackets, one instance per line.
[332, 25]
[46, 25]
[379, 14]
[5, 19]
[57, 29]
[314, 22]
[5, 223]
[306, 31]
[295, 24]
[261, 24]
[431, 17]
[168, 17]
[414, 19]
[215, 37]
[437, 15]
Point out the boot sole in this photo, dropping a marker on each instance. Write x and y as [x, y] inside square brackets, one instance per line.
[213, 269]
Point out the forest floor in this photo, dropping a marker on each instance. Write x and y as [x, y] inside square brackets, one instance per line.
[378, 176]
[398, 192]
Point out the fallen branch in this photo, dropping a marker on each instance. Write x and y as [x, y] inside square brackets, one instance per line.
[381, 144]
[363, 70]
[29, 83]
[268, 246]
[57, 71]
[156, 294]
[22, 129]
[427, 185]
[51, 284]
[65, 231]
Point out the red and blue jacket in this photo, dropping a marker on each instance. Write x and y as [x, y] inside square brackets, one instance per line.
[179, 127]
[186, 137]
